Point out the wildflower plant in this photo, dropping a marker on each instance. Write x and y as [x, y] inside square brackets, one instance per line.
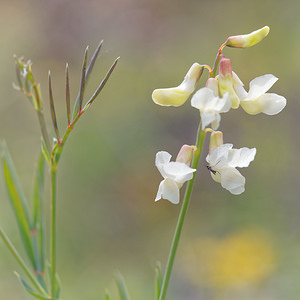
[41, 280]
[223, 91]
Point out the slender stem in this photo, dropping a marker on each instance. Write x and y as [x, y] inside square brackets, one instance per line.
[39, 111]
[43, 128]
[19, 259]
[53, 232]
[219, 55]
[186, 200]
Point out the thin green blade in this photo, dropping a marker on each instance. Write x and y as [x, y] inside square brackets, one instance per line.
[29, 289]
[38, 211]
[122, 287]
[19, 202]
[158, 280]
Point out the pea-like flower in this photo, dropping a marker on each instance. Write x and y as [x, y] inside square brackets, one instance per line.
[223, 161]
[257, 100]
[177, 96]
[175, 174]
[210, 105]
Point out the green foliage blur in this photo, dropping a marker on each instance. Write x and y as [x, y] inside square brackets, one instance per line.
[107, 181]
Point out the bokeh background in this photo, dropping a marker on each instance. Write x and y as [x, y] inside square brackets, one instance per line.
[233, 247]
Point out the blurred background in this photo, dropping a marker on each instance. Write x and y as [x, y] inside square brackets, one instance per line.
[232, 247]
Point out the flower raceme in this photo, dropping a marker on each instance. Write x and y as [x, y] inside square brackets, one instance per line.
[175, 174]
[223, 90]
[177, 96]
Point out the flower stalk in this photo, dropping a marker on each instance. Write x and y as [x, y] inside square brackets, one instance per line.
[186, 200]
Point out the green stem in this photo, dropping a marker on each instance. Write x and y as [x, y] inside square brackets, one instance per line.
[213, 72]
[186, 200]
[53, 232]
[20, 261]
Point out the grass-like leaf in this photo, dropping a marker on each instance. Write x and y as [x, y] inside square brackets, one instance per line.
[52, 108]
[158, 280]
[38, 210]
[78, 103]
[68, 95]
[107, 295]
[102, 83]
[122, 287]
[92, 61]
[19, 202]
[29, 289]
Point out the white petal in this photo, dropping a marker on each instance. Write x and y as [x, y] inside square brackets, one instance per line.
[241, 92]
[251, 106]
[233, 181]
[168, 189]
[216, 123]
[224, 103]
[241, 157]
[212, 83]
[162, 157]
[202, 98]
[272, 104]
[236, 80]
[218, 157]
[178, 171]
[207, 118]
[260, 85]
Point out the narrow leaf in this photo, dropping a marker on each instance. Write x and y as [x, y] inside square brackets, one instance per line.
[122, 287]
[92, 61]
[57, 284]
[107, 295]
[102, 84]
[21, 262]
[29, 289]
[68, 95]
[19, 202]
[53, 115]
[38, 209]
[78, 103]
[158, 280]
[45, 151]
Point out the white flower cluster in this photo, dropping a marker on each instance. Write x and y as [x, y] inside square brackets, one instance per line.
[221, 93]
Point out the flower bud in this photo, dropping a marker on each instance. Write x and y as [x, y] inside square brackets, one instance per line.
[226, 82]
[247, 40]
[216, 140]
[177, 96]
[185, 154]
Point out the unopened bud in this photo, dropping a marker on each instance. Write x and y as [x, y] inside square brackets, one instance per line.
[225, 67]
[177, 96]
[226, 82]
[247, 40]
[216, 140]
[185, 154]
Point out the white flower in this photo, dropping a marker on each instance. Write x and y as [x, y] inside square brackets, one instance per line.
[223, 161]
[175, 174]
[177, 96]
[210, 106]
[257, 100]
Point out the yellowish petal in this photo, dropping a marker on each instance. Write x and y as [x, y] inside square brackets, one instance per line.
[177, 96]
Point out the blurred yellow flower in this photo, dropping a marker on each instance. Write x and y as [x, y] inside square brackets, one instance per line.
[241, 259]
